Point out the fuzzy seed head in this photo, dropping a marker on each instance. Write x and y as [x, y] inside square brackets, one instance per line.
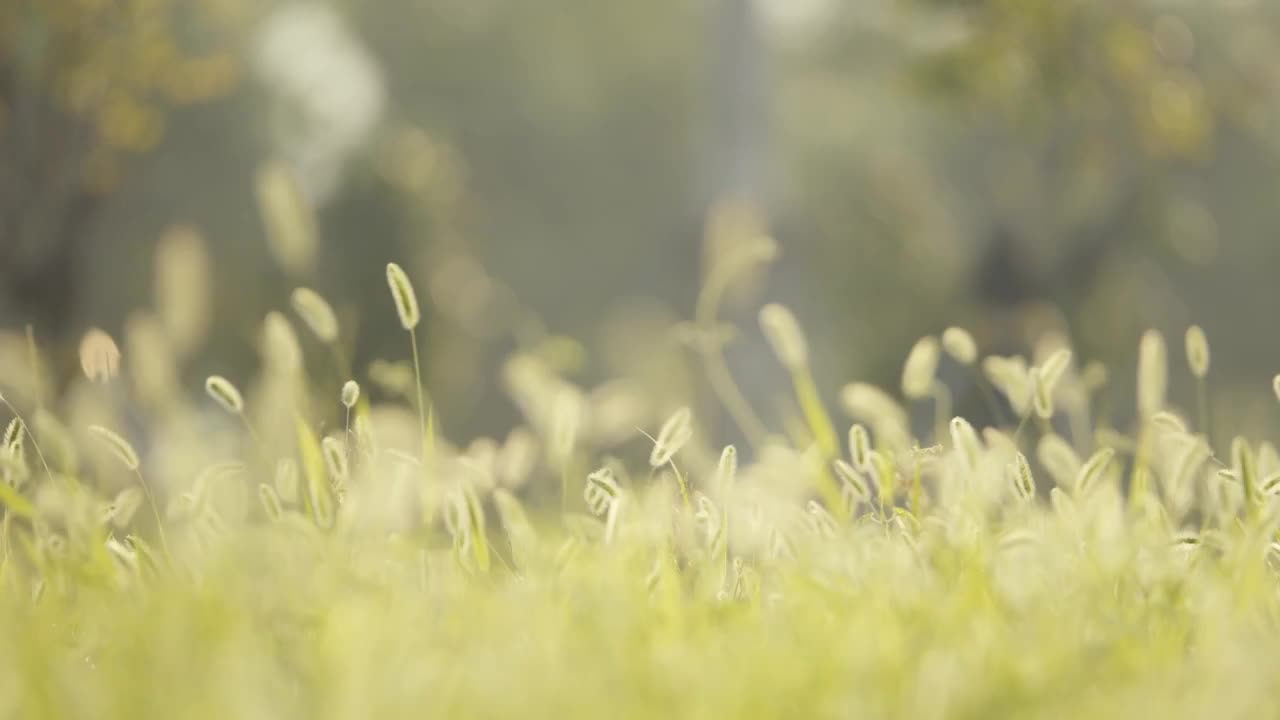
[921, 368]
[1053, 368]
[118, 446]
[1059, 459]
[854, 488]
[1197, 352]
[335, 459]
[1011, 377]
[350, 393]
[1042, 396]
[516, 458]
[182, 287]
[1245, 467]
[286, 480]
[1093, 470]
[860, 447]
[281, 352]
[1196, 454]
[13, 437]
[567, 412]
[225, 394]
[1169, 422]
[868, 402]
[675, 432]
[289, 220]
[1094, 376]
[405, 299]
[99, 356]
[316, 313]
[602, 491]
[965, 439]
[785, 336]
[960, 345]
[1153, 373]
[1024, 484]
[125, 506]
[270, 501]
[726, 469]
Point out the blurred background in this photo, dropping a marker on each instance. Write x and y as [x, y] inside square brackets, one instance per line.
[572, 169]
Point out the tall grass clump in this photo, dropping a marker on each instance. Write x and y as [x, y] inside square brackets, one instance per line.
[1066, 563]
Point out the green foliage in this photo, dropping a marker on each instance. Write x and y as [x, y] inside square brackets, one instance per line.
[924, 576]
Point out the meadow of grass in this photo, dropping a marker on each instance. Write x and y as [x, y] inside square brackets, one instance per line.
[320, 555]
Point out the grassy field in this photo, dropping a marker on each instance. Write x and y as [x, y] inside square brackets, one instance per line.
[346, 562]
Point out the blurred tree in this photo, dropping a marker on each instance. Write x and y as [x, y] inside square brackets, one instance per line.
[1084, 155]
[84, 86]
[1084, 122]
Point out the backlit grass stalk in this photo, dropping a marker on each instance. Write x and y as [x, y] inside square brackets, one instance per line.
[672, 437]
[123, 451]
[1198, 360]
[705, 318]
[320, 319]
[1153, 385]
[792, 350]
[350, 396]
[34, 443]
[406, 302]
[228, 396]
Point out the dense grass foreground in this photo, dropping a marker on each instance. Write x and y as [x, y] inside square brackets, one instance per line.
[1049, 569]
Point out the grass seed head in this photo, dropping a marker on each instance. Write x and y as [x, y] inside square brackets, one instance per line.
[316, 314]
[1024, 484]
[286, 480]
[859, 447]
[350, 394]
[1052, 370]
[281, 352]
[726, 470]
[290, 222]
[1093, 470]
[1169, 422]
[921, 368]
[99, 356]
[183, 287]
[885, 416]
[13, 434]
[118, 446]
[125, 506]
[225, 394]
[1044, 381]
[960, 345]
[965, 439]
[567, 411]
[335, 459]
[1059, 459]
[854, 488]
[516, 458]
[673, 435]
[270, 501]
[1245, 467]
[601, 491]
[785, 337]
[868, 402]
[1153, 373]
[1270, 485]
[1198, 352]
[402, 293]
[1042, 395]
[1012, 378]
